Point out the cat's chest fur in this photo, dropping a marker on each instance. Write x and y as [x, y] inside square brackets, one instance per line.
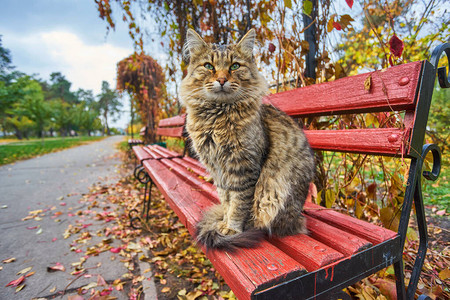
[226, 136]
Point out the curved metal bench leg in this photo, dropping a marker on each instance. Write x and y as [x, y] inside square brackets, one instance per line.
[147, 200]
[136, 170]
[134, 219]
[142, 176]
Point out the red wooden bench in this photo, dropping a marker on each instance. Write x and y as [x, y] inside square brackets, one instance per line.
[339, 250]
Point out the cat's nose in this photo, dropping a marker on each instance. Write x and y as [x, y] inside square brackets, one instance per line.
[222, 80]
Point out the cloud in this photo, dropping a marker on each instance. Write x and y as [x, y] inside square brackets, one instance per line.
[85, 65]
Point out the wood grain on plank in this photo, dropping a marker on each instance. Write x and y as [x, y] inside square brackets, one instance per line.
[373, 233]
[386, 141]
[173, 121]
[172, 131]
[141, 153]
[390, 89]
[309, 252]
[344, 242]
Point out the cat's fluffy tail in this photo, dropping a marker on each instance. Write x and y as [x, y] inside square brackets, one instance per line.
[211, 238]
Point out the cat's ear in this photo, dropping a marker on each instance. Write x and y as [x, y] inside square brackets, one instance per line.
[247, 42]
[194, 43]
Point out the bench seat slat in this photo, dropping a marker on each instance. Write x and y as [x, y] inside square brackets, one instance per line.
[344, 242]
[141, 153]
[302, 241]
[196, 183]
[190, 163]
[187, 202]
[150, 153]
[373, 233]
[385, 141]
[156, 152]
[164, 151]
[306, 250]
[390, 90]
[191, 167]
[186, 165]
[263, 265]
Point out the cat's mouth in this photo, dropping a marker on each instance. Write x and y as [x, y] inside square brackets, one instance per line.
[221, 88]
[221, 95]
[222, 91]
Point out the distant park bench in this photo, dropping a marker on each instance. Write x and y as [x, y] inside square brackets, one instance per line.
[136, 142]
[339, 250]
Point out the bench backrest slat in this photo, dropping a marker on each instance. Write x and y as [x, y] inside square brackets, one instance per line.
[171, 127]
[173, 121]
[383, 141]
[170, 131]
[389, 89]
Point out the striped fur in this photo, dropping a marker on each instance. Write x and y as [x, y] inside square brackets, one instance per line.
[258, 157]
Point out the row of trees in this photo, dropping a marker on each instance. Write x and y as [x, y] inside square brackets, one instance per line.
[30, 106]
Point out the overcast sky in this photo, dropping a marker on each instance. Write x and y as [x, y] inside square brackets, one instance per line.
[66, 36]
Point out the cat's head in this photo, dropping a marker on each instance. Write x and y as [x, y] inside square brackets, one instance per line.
[221, 73]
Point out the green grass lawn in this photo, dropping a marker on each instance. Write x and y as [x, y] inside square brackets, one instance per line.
[25, 149]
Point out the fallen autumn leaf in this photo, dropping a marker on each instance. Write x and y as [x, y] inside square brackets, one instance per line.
[57, 267]
[17, 281]
[24, 271]
[9, 260]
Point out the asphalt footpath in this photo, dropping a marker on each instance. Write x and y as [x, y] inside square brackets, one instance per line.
[30, 244]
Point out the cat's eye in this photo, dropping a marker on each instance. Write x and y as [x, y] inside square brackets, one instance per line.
[209, 66]
[234, 66]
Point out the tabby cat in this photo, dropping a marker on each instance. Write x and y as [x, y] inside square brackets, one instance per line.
[258, 157]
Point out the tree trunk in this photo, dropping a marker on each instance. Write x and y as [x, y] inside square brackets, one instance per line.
[132, 117]
[3, 129]
[150, 136]
[40, 135]
[310, 37]
[18, 133]
[105, 115]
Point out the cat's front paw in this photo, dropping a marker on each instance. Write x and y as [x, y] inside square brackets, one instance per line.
[223, 228]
